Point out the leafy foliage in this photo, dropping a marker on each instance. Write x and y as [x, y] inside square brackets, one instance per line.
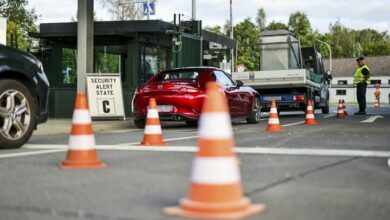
[276, 25]
[248, 36]
[344, 41]
[20, 22]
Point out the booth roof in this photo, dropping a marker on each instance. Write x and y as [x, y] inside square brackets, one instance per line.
[123, 29]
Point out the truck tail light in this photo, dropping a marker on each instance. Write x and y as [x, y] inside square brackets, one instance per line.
[299, 98]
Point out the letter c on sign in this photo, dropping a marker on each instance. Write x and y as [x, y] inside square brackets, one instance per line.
[106, 109]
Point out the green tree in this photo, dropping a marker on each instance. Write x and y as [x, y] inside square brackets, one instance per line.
[343, 40]
[215, 29]
[248, 36]
[299, 24]
[20, 22]
[261, 19]
[276, 25]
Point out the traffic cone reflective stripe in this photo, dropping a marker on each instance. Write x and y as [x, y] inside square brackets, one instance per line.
[153, 132]
[344, 107]
[310, 118]
[215, 190]
[82, 152]
[273, 120]
[340, 110]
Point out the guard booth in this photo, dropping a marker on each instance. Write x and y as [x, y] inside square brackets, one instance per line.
[136, 49]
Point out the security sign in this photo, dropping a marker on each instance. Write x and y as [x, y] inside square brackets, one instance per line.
[105, 96]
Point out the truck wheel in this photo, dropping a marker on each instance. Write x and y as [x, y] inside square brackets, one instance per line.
[325, 110]
[140, 122]
[17, 114]
[256, 112]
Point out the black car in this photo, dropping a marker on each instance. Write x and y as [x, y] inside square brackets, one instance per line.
[24, 90]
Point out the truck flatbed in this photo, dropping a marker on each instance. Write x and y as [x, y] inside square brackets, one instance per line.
[277, 79]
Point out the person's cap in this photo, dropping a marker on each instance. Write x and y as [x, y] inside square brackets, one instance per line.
[360, 59]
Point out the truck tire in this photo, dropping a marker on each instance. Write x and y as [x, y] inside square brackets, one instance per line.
[17, 114]
[325, 109]
[255, 115]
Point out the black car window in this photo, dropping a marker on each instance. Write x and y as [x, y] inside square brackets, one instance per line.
[178, 75]
[222, 79]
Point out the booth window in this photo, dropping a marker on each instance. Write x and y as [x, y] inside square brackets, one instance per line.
[153, 60]
[108, 59]
[342, 82]
[376, 81]
[69, 66]
[341, 92]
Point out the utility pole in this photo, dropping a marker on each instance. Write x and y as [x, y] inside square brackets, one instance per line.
[231, 37]
[84, 42]
[148, 8]
[193, 9]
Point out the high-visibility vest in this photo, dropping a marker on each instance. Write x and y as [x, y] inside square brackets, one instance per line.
[359, 77]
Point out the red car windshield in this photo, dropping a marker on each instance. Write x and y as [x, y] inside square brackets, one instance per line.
[178, 76]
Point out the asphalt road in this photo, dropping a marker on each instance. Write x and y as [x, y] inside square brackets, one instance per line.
[335, 170]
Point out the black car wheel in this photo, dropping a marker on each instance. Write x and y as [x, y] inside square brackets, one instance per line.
[139, 122]
[17, 114]
[256, 112]
[192, 123]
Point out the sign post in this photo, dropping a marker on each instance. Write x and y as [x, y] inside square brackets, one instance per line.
[105, 96]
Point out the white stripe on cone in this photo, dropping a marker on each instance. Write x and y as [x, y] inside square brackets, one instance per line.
[215, 125]
[310, 116]
[217, 170]
[82, 142]
[273, 121]
[153, 129]
[152, 113]
[340, 111]
[81, 116]
[309, 107]
[274, 110]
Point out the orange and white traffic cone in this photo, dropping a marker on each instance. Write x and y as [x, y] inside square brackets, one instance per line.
[215, 191]
[153, 134]
[82, 152]
[273, 119]
[344, 107]
[310, 119]
[340, 110]
[376, 105]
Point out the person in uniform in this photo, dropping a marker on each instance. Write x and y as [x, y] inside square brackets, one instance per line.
[361, 80]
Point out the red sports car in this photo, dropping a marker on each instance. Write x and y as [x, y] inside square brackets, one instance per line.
[180, 92]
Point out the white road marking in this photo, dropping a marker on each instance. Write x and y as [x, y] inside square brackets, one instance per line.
[120, 131]
[372, 119]
[44, 146]
[329, 116]
[21, 154]
[296, 123]
[169, 139]
[240, 150]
